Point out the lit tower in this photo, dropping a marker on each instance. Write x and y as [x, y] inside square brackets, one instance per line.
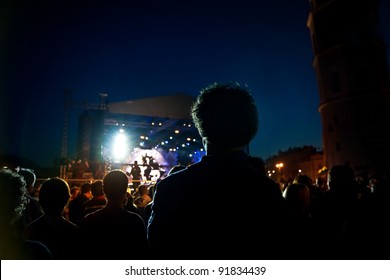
[353, 79]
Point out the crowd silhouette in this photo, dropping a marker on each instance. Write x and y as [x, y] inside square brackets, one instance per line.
[200, 211]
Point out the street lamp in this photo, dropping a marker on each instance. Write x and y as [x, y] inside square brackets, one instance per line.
[279, 166]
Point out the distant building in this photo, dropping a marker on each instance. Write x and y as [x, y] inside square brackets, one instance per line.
[354, 84]
[306, 160]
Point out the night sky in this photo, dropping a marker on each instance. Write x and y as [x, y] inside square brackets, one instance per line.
[137, 49]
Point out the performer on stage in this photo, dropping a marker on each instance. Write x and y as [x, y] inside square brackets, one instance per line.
[136, 175]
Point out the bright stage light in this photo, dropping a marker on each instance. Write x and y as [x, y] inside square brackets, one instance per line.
[120, 146]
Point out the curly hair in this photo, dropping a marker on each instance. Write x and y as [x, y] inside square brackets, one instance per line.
[13, 195]
[225, 115]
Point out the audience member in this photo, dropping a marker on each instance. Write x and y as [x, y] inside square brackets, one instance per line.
[76, 206]
[142, 200]
[299, 237]
[377, 217]
[147, 210]
[52, 229]
[13, 202]
[176, 168]
[129, 204]
[33, 209]
[143, 197]
[192, 213]
[112, 232]
[74, 192]
[322, 184]
[98, 200]
[340, 217]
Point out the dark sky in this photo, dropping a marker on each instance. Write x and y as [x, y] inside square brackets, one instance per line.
[137, 49]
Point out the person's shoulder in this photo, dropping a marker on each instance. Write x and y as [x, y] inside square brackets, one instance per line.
[36, 223]
[79, 199]
[267, 181]
[131, 215]
[132, 220]
[171, 183]
[92, 217]
[263, 183]
[36, 250]
[69, 225]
